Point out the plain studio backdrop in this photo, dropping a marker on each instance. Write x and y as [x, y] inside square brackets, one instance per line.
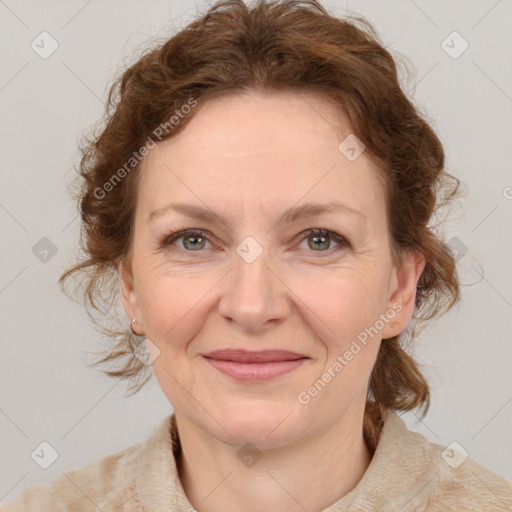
[51, 91]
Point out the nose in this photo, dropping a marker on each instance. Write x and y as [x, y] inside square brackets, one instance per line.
[255, 298]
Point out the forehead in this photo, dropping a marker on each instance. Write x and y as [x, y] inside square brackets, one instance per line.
[270, 147]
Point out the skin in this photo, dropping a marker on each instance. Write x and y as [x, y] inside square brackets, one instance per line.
[248, 158]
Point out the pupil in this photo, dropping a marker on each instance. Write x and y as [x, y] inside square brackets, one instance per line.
[196, 244]
[322, 239]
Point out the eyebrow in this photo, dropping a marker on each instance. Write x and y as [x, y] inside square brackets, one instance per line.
[293, 214]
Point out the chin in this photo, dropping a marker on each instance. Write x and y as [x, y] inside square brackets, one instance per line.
[264, 424]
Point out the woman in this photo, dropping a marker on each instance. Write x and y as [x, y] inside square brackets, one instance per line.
[259, 200]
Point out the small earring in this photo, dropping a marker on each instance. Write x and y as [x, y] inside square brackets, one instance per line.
[131, 327]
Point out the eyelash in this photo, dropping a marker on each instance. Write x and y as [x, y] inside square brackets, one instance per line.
[344, 243]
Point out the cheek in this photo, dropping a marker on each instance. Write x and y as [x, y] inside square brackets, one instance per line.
[336, 304]
[174, 306]
[174, 310]
[349, 310]
[344, 303]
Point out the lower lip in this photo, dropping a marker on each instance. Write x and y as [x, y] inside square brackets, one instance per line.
[255, 372]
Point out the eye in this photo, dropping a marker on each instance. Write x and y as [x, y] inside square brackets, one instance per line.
[321, 240]
[193, 239]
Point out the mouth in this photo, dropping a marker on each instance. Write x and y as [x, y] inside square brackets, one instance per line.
[249, 366]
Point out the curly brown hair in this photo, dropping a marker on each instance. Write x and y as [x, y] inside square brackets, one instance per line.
[289, 45]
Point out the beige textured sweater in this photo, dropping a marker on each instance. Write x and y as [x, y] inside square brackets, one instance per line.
[407, 473]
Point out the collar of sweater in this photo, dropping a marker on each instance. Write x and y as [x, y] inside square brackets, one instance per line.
[402, 473]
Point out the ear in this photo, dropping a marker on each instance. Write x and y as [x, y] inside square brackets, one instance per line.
[129, 295]
[402, 298]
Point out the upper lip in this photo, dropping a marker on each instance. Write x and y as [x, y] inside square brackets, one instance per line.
[247, 356]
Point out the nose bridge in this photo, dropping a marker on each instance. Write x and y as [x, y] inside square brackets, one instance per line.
[254, 295]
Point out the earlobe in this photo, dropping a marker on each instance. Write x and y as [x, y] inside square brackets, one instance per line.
[403, 297]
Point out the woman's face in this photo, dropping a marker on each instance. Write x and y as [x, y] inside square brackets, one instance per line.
[254, 278]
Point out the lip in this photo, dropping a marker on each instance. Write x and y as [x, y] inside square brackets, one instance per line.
[249, 356]
[249, 366]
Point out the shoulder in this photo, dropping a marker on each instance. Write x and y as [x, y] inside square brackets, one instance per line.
[414, 474]
[83, 489]
[109, 483]
[461, 481]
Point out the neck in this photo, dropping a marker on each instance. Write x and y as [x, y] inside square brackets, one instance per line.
[309, 474]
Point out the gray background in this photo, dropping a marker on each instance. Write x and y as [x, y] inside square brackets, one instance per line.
[48, 394]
